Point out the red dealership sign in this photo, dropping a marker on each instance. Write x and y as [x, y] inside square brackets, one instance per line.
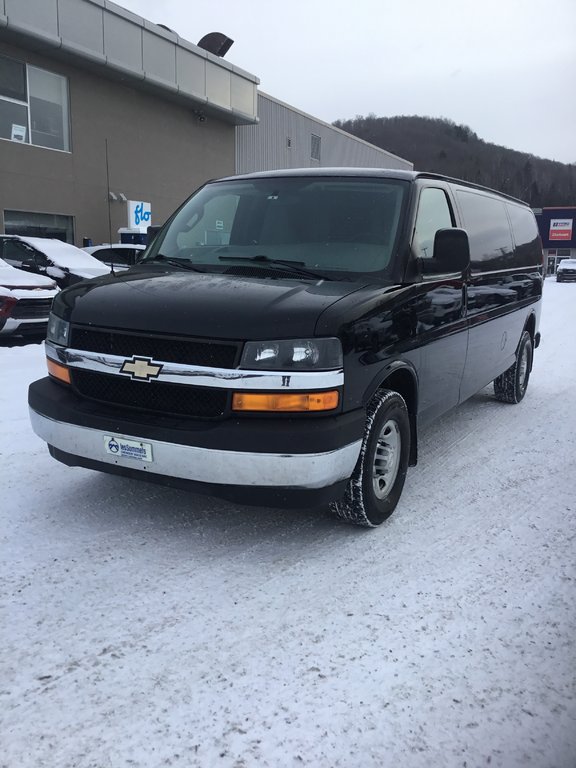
[561, 229]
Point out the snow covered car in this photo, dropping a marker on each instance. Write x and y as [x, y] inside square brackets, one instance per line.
[566, 270]
[119, 255]
[25, 302]
[62, 262]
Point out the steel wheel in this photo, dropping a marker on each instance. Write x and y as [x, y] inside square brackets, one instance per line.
[511, 386]
[386, 459]
[523, 368]
[376, 484]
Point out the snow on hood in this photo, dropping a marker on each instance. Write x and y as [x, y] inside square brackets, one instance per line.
[11, 278]
[68, 256]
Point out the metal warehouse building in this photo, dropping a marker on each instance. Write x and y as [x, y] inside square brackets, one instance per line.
[108, 121]
[284, 137]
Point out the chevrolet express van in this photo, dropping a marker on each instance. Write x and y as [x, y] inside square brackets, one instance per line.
[288, 334]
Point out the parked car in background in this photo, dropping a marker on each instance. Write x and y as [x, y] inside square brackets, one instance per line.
[566, 270]
[119, 255]
[25, 302]
[62, 262]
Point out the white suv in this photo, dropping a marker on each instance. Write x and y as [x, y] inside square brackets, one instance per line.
[25, 302]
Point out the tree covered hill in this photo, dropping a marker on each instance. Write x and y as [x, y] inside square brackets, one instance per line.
[442, 146]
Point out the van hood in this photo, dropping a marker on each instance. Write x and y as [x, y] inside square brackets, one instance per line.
[218, 306]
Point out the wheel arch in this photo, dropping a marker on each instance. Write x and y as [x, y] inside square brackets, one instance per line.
[530, 327]
[402, 378]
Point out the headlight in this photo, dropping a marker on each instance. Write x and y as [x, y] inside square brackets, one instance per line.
[58, 330]
[292, 355]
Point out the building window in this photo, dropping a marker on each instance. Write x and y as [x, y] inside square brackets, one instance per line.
[29, 224]
[315, 146]
[33, 106]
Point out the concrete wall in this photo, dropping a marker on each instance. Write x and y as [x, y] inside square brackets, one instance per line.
[158, 152]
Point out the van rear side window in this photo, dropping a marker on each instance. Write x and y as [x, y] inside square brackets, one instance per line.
[488, 229]
[526, 236]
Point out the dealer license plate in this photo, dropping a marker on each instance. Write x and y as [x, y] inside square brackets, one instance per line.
[127, 449]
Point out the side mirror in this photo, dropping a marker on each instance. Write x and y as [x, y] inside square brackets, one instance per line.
[451, 252]
[151, 232]
[29, 265]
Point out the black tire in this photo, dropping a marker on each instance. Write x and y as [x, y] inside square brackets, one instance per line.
[511, 386]
[376, 484]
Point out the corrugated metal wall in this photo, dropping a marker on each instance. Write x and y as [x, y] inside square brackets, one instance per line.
[283, 139]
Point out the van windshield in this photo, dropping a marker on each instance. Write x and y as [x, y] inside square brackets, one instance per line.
[329, 226]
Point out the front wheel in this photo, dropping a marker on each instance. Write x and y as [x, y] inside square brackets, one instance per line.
[378, 478]
[511, 386]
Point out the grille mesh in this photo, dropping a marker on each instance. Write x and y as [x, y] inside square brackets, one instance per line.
[161, 348]
[153, 396]
[28, 309]
[198, 402]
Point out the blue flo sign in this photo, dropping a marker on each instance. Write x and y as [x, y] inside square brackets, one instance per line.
[139, 215]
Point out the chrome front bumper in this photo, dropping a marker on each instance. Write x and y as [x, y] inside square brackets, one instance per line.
[220, 467]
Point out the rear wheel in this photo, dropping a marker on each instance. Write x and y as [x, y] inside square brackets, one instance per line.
[378, 478]
[511, 386]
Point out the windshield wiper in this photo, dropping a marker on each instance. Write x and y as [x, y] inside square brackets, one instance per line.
[180, 263]
[263, 259]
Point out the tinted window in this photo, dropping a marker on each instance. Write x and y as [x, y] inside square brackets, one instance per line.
[13, 121]
[113, 255]
[331, 225]
[526, 236]
[33, 105]
[48, 109]
[15, 252]
[433, 214]
[13, 79]
[488, 229]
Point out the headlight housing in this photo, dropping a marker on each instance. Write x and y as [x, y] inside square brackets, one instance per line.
[292, 355]
[58, 330]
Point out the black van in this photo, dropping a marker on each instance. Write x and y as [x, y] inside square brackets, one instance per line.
[288, 334]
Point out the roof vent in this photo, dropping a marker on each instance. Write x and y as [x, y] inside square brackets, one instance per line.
[216, 43]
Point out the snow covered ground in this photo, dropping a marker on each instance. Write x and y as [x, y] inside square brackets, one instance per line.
[149, 627]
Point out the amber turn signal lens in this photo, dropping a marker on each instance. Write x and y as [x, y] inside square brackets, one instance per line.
[58, 371]
[281, 402]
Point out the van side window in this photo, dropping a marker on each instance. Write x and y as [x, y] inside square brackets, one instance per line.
[488, 230]
[433, 214]
[526, 235]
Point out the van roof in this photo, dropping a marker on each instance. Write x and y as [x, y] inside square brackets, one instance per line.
[384, 173]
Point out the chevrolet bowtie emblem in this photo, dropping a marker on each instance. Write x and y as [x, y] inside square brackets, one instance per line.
[141, 368]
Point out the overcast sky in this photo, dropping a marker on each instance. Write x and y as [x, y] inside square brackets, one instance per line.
[506, 68]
